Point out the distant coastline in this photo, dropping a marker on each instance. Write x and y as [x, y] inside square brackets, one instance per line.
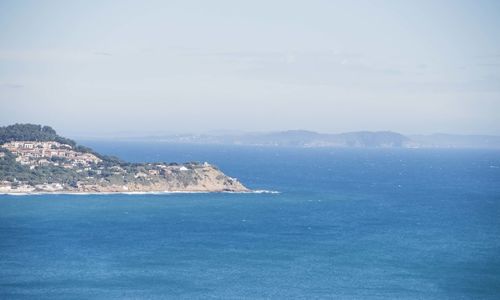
[311, 139]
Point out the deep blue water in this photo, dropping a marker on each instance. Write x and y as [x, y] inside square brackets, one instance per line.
[348, 224]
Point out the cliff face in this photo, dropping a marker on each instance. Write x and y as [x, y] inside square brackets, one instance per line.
[195, 179]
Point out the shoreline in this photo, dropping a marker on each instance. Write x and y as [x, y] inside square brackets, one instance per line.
[139, 193]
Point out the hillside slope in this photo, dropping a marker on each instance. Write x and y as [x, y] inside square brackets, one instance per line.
[34, 158]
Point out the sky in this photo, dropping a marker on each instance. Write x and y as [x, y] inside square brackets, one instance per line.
[136, 67]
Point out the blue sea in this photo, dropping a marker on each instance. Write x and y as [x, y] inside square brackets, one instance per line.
[347, 224]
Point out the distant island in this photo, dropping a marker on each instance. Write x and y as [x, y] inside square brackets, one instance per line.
[35, 159]
[311, 139]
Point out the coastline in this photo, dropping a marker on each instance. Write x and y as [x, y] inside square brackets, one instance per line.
[36, 160]
[139, 193]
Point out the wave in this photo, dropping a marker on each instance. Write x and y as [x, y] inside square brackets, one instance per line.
[265, 192]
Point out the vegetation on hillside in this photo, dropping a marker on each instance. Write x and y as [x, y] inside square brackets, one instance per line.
[39, 133]
[111, 170]
[31, 132]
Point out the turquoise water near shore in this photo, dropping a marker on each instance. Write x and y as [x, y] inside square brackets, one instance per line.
[347, 224]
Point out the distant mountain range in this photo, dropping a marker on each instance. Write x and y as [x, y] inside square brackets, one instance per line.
[311, 139]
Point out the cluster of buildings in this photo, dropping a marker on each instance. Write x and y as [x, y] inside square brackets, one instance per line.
[41, 153]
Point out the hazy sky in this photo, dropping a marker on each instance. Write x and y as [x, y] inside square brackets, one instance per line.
[94, 67]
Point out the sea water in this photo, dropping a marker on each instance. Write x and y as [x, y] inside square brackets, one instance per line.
[346, 224]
